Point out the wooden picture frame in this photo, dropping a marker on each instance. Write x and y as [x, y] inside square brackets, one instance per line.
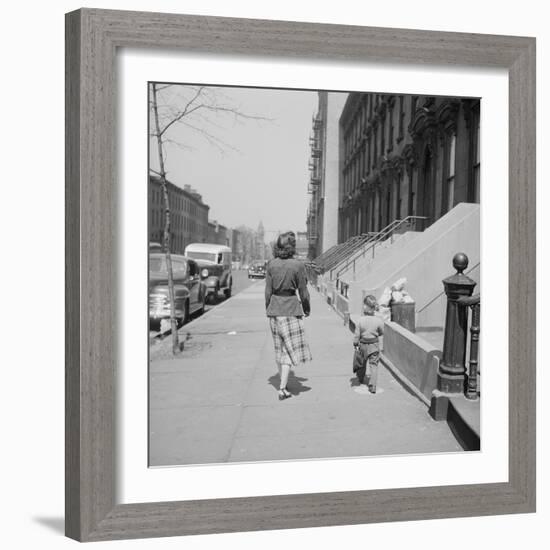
[92, 39]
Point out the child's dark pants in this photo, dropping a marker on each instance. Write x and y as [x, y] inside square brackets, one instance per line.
[369, 369]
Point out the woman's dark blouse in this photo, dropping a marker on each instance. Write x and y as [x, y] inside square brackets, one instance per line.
[284, 277]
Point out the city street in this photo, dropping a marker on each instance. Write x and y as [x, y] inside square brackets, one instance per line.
[240, 280]
[217, 401]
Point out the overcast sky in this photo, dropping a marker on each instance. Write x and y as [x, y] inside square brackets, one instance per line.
[261, 172]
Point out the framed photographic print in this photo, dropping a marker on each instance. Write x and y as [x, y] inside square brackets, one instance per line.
[274, 234]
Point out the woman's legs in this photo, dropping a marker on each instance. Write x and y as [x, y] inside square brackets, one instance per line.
[284, 370]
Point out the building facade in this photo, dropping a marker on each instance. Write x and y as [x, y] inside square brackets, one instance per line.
[249, 244]
[259, 247]
[405, 156]
[314, 219]
[218, 233]
[189, 215]
[325, 168]
[302, 245]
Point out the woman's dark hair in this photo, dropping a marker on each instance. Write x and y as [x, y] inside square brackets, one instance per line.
[285, 246]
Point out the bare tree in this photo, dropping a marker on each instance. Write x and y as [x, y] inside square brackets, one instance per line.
[199, 109]
[166, 239]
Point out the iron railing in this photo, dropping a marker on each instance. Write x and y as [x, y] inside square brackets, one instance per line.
[387, 233]
[472, 302]
[339, 252]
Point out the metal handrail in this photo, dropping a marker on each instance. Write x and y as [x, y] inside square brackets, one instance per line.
[469, 300]
[329, 254]
[345, 253]
[388, 231]
[442, 293]
[319, 259]
[350, 246]
[335, 254]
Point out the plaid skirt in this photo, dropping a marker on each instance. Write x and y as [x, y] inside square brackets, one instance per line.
[289, 339]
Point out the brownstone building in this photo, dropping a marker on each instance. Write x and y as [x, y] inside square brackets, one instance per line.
[218, 234]
[189, 215]
[404, 156]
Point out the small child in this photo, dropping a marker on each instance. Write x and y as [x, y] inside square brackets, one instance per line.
[367, 331]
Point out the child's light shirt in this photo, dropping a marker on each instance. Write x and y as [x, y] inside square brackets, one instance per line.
[368, 327]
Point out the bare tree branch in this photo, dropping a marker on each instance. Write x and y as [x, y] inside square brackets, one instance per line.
[187, 110]
[217, 142]
[179, 145]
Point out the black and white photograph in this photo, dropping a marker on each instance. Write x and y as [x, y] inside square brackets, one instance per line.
[314, 274]
[260, 233]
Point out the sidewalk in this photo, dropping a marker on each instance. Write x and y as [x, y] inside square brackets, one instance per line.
[217, 401]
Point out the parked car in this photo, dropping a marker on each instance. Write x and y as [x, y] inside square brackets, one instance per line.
[214, 261]
[190, 292]
[257, 270]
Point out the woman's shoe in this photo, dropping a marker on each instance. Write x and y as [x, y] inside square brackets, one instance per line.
[284, 394]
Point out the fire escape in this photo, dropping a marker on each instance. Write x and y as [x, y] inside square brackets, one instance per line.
[314, 185]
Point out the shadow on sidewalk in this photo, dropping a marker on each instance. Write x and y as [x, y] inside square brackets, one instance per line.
[294, 386]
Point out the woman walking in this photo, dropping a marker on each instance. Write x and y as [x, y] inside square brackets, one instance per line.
[285, 281]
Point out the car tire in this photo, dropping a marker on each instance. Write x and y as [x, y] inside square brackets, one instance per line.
[227, 293]
[185, 318]
[203, 303]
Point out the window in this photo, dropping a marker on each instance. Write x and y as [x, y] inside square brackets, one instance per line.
[375, 151]
[401, 117]
[398, 198]
[383, 136]
[451, 158]
[390, 137]
[368, 154]
[476, 163]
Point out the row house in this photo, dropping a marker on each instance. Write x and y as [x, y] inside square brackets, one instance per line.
[189, 215]
[405, 155]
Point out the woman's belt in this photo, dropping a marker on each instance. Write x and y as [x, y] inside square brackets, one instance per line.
[284, 292]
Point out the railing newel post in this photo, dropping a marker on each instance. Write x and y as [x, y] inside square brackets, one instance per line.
[452, 369]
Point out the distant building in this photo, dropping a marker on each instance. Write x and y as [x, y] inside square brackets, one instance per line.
[237, 247]
[250, 245]
[302, 245]
[188, 215]
[218, 233]
[259, 251]
[325, 168]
